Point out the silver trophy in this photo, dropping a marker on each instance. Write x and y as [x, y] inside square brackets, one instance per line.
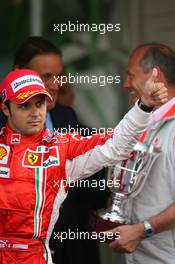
[128, 178]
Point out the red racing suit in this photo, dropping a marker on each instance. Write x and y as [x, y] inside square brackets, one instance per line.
[32, 170]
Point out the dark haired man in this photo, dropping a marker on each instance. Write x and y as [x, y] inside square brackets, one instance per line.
[151, 236]
[42, 56]
[32, 159]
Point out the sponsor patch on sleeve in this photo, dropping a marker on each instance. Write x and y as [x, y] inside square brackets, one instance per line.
[4, 161]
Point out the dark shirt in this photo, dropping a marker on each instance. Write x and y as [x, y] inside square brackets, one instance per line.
[2, 119]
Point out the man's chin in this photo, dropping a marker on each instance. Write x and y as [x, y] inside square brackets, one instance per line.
[31, 131]
[133, 98]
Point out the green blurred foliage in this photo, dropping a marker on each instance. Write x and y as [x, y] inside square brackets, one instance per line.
[14, 21]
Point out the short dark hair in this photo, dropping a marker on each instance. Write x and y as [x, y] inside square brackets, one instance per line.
[159, 55]
[7, 103]
[32, 47]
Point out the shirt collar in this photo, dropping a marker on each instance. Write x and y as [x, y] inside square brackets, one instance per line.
[13, 138]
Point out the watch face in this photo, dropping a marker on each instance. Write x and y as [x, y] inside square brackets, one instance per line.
[148, 229]
[149, 232]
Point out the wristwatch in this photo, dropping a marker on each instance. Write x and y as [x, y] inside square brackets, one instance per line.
[148, 229]
[144, 107]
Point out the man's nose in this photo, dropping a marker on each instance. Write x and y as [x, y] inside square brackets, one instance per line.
[55, 84]
[34, 111]
[52, 85]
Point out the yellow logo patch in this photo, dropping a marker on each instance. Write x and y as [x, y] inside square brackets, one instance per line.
[32, 158]
[3, 153]
[24, 95]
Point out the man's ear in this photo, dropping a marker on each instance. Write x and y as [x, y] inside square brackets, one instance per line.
[5, 110]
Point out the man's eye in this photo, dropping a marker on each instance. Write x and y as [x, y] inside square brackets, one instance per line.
[40, 103]
[46, 77]
[23, 106]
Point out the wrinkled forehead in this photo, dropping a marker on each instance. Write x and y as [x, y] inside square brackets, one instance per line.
[134, 60]
[50, 63]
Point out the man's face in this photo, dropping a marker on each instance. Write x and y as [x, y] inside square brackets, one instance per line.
[49, 66]
[135, 76]
[27, 118]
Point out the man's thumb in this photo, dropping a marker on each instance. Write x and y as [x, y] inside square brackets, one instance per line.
[153, 75]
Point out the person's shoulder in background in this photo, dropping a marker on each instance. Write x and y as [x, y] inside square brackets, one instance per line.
[63, 117]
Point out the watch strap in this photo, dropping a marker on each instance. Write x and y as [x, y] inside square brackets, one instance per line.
[144, 107]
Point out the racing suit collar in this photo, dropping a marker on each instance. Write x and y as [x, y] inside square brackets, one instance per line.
[12, 137]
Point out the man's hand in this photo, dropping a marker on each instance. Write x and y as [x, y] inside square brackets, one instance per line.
[130, 237]
[154, 93]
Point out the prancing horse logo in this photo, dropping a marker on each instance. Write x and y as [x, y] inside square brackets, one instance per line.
[32, 158]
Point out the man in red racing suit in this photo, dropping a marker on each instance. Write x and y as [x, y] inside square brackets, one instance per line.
[36, 168]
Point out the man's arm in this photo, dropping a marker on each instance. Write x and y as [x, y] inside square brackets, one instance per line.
[90, 154]
[87, 156]
[132, 235]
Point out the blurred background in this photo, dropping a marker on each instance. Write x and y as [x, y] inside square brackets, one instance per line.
[89, 53]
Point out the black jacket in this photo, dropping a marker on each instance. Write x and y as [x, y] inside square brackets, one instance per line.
[63, 116]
